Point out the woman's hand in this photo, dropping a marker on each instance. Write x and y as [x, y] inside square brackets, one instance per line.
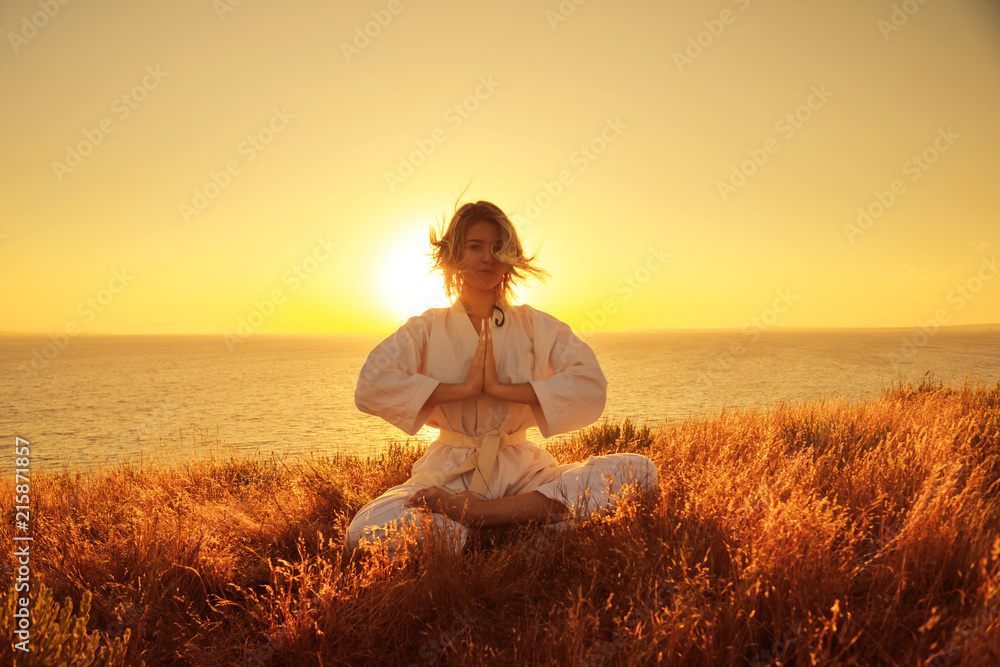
[483, 378]
[474, 380]
[465, 508]
[441, 501]
[491, 382]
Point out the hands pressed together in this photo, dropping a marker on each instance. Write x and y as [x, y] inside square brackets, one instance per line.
[465, 507]
[482, 377]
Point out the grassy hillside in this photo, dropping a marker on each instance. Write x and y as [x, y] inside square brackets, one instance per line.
[823, 533]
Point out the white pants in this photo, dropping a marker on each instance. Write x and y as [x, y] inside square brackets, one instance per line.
[582, 487]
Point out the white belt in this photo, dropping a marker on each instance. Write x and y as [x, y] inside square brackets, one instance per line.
[482, 460]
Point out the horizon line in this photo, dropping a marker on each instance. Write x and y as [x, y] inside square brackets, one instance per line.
[985, 327]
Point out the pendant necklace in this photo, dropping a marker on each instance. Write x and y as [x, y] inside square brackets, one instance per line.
[499, 322]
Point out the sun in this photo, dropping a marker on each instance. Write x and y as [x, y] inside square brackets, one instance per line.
[406, 285]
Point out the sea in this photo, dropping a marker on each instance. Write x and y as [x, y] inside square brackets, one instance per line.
[95, 400]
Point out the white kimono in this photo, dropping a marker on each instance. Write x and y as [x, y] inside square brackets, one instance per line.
[531, 346]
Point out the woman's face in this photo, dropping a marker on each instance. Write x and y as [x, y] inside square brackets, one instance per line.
[479, 266]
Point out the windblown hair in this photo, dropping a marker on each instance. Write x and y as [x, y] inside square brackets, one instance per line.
[449, 246]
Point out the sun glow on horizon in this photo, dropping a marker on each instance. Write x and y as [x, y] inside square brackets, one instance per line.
[662, 188]
[407, 286]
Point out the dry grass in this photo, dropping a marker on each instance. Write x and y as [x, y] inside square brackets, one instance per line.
[824, 533]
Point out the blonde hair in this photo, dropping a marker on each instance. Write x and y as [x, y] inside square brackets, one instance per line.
[449, 245]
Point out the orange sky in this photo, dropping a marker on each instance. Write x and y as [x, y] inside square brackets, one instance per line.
[198, 167]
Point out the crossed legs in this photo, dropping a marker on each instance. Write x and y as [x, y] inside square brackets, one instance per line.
[583, 488]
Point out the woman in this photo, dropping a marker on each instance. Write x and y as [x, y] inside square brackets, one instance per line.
[483, 371]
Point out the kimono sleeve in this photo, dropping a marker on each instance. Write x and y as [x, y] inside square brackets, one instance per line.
[570, 384]
[391, 384]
